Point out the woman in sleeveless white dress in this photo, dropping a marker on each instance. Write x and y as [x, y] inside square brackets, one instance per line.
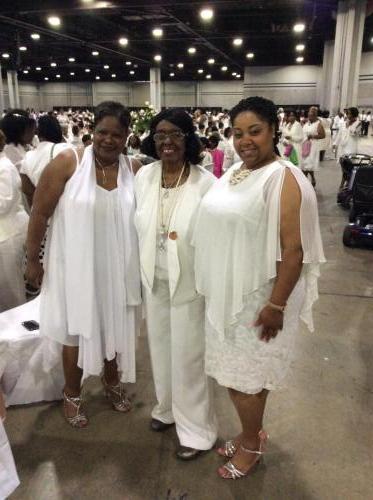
[313, 131]
[258, 247]
[91, 284]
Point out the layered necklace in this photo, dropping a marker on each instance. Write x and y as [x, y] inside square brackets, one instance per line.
[103, 167]
[164, 219]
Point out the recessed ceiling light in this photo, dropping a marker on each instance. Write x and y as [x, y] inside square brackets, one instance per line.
[208, 77]
[53, 64]
[371, 40]
[206, 14]
[300, 47]
[158, 58]
[71, 59]
[97, 78]
[87, 70]
[200, 71]
[54, 21]
[38, 68]
[123, 41]
[58, 76]
[72, 73]
[299, 59]
[172, 74]
[128, 63]
[35, 36]
[106, 66]
[180, 65]
[23, 48]
[238, 76]
[211, 60]
[25, 71]
[234, 73]
[299, 27]
[95, 53]
[46, 78]
[6, 55]
[113, 75]
[132, 72]
[237, 42]
[192, 50]
[224, 68]
[250, 55]
[157, 32]
[87, 1]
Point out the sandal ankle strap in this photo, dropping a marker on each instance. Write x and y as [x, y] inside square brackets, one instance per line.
[255, 452]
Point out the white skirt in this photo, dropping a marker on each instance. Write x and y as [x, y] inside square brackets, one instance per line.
[8, 474]
[244, 362]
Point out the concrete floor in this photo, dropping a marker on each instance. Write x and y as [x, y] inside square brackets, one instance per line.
[321, 434]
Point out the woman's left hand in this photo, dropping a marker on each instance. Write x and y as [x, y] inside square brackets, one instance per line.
[271, 321]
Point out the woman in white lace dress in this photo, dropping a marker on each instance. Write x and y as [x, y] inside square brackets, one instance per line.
[258, 247]
[91, 283]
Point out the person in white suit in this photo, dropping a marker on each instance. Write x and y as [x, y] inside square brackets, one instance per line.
[168, 194]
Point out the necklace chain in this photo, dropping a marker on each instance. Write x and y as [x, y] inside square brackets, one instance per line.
[102, 167]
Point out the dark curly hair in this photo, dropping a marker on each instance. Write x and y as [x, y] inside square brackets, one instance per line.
[112, 108]
[262, 107]
[14, 125]
[181, 119]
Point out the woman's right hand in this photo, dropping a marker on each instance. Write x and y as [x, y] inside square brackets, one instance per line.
[34, 273]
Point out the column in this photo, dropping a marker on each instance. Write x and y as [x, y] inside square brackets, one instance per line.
[10, 89]
[347, 54]
[198, 98]
[2, 100]
[324, 84]
[16, 90]
[155, 88]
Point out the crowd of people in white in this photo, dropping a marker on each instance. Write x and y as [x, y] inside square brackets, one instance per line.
[30, 140]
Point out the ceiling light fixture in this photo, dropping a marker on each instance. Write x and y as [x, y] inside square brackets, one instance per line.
[87, 70]
[123, 41]
[224, 68]
[180, 65]
[53, 64]
[5, 55]
[157, 32]
[211, 60]
[250, 55]
[237, 42]
[106, 66]
[208, 77]
[200, 71]
[54, 21]
[38, 68]
[25, 71]
[97, 78]
[238, 76]
[72, 73]
[206, 14]
[71, 59]
[299, 59]
[58, 76]
[172, 74]
[299, 27]
[95, 53]
[46, 78]
[23, 48]
[128, 63]
[300, 47]
[113, 75]
[192, 50]
[132, 72]
[35, 36]
[158, 58]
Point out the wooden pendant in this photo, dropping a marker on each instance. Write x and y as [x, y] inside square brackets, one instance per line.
[173, 235]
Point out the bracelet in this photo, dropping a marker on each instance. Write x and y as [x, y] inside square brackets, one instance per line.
[276, 307]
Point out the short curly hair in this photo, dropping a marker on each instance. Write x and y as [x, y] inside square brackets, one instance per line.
[112, 108]
[181, 119]
[262, 107]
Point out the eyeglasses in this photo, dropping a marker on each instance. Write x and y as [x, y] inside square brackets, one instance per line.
[175, 136]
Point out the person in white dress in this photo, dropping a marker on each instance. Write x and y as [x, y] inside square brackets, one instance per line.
[9, 479]
[13, 230]
[349, 133]
[91, 282]
[292, 134]
[168, 194]
[19, 130]
[257, 253]
[34, 162]
[325, 144]
[313, 131]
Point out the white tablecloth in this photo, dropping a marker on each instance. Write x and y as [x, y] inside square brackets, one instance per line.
[22, 377]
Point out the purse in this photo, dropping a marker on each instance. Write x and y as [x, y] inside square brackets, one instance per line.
[306, 148]
[288, 149]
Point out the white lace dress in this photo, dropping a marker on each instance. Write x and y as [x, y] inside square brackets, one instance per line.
[237, 246]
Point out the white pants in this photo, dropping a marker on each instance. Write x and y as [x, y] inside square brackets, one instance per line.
[8, 474]
[177, 346]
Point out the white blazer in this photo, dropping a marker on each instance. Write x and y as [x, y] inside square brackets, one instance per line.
[180, 252]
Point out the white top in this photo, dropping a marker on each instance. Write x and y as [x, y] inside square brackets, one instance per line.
[237, 240]
[15, 153]
[35, 161]
[13, 217]
[311, 162]
[348, 139]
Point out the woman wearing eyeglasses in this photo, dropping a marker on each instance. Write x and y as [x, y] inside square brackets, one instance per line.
[168, 194]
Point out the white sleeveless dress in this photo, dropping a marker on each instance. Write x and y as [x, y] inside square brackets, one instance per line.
[237, 246]
[91, 285]
[312, 161]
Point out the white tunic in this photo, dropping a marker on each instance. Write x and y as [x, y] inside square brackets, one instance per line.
[92, 278]
[237, 243]
[311, 162]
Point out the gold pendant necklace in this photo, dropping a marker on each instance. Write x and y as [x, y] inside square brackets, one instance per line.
[102, 167]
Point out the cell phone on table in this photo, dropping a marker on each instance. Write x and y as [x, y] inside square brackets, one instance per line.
[31, 325]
